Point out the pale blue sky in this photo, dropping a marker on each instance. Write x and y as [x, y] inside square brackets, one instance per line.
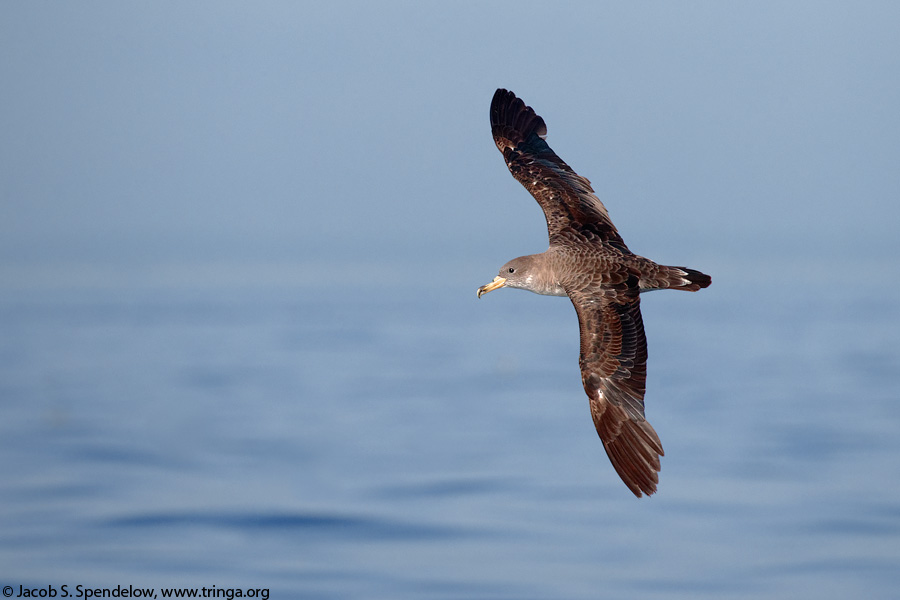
[231, 131]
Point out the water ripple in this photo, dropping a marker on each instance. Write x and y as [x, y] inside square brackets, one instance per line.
[324, 524]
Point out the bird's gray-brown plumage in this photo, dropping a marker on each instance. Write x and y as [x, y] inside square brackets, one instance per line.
[589, 262]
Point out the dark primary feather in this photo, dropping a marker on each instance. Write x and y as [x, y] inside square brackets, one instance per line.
[567, 199]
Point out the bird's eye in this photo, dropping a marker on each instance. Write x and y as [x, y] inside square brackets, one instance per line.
[512, 270]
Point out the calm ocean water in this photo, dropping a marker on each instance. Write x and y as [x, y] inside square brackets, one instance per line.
[394, 442]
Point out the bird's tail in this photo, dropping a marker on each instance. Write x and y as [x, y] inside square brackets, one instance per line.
[676, 278]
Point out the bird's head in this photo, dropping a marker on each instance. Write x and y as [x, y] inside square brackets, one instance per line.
[515, 274]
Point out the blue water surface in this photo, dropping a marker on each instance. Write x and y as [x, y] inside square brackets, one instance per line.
[405, 441]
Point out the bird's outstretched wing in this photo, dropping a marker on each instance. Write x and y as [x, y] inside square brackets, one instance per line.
[567, 199]
[614, 372]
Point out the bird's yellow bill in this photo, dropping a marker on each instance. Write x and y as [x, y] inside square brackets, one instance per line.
[498, 282]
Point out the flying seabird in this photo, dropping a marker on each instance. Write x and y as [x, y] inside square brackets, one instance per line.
[589, 262]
